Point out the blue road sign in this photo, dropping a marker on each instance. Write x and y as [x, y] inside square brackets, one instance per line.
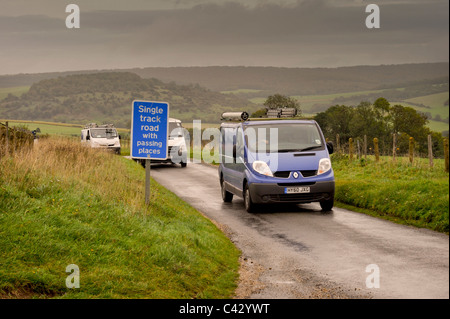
[149, 130]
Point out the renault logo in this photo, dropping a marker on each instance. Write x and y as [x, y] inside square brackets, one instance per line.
[295, 175]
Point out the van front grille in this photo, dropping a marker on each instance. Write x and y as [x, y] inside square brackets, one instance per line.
[282, 174]
[309, 173]
[286, 174]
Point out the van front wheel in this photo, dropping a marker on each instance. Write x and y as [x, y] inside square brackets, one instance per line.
[327, 205]
[226, 195]
[249, 205]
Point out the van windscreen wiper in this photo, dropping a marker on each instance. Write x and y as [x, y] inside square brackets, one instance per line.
[311, 148]
[288, 150]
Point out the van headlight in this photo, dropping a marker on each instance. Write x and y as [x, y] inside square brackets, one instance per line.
[324, 166]
[262, 168]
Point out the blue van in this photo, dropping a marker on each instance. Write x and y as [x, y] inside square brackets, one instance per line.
[276, 161]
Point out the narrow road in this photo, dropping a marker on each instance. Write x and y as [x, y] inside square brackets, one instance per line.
[298, 251]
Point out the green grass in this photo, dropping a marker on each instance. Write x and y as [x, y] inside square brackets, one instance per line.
[65, 204]
[412, 194]
[17, 91]
[437, 126]
[50, 128]
[433, 100]
[53, 128]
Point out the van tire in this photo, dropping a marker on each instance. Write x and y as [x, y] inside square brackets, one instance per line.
[250, 207]
[327, 205]
[226, 195]
[183, 164]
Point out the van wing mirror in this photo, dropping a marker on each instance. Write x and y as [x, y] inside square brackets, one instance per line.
[330, 147]
[234, 151]
[88, 138]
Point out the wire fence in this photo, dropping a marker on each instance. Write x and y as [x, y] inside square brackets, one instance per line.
[362, 147]
[14, 138]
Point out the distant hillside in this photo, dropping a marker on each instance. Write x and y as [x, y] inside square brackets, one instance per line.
[270, 80]
[107, 97]
[303, 81]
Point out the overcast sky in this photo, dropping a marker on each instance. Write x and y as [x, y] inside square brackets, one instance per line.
[291, 33]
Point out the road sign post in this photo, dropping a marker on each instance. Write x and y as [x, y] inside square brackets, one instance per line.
[149, 135]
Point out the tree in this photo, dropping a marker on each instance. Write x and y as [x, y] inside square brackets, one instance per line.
[336, 120]
[259, 113]
[382, 104]
[407, 120]
[277, 101]
[367, 120]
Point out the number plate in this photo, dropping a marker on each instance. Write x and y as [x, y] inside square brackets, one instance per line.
[296, 190]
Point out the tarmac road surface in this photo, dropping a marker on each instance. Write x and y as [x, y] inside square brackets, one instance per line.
[298, 251]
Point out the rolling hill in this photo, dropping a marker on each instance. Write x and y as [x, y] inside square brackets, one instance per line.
[289, 81]
[107, 97]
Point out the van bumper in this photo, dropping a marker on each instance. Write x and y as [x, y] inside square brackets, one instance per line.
[275, 192]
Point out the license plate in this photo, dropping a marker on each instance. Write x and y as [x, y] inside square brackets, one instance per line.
[296, 190]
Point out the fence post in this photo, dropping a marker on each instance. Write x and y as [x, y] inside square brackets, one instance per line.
[430, 151]
[350, 148]
[376, 149]
[338, 144]
[358, 149]
[394, 146]
[7, 138]
[14, 142]
[411, 149]
[365, 146]
[446, 154]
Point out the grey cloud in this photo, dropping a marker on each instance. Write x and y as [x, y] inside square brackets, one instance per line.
[199, 32]
[234, 23]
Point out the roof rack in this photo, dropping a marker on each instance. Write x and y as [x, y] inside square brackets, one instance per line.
[281, 112]
[235, 116]
[95, 125]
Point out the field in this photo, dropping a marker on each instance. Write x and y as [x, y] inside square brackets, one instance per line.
[16, 91]
[412, 194]
[63, 204]
[61, 129]
[307, 101]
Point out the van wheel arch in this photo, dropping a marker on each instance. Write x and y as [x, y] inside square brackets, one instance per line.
[227, 197]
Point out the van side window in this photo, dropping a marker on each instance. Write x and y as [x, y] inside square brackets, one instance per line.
[239, 146]
[228, 138]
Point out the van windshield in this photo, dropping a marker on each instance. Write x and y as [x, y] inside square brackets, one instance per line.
[283, 137]
[103, 133]
[175, 130]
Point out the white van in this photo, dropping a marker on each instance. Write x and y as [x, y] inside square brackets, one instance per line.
[101, 136]
[177, 145]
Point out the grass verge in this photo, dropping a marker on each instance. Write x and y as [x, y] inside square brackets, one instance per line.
[64, 204]
[412, 194]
